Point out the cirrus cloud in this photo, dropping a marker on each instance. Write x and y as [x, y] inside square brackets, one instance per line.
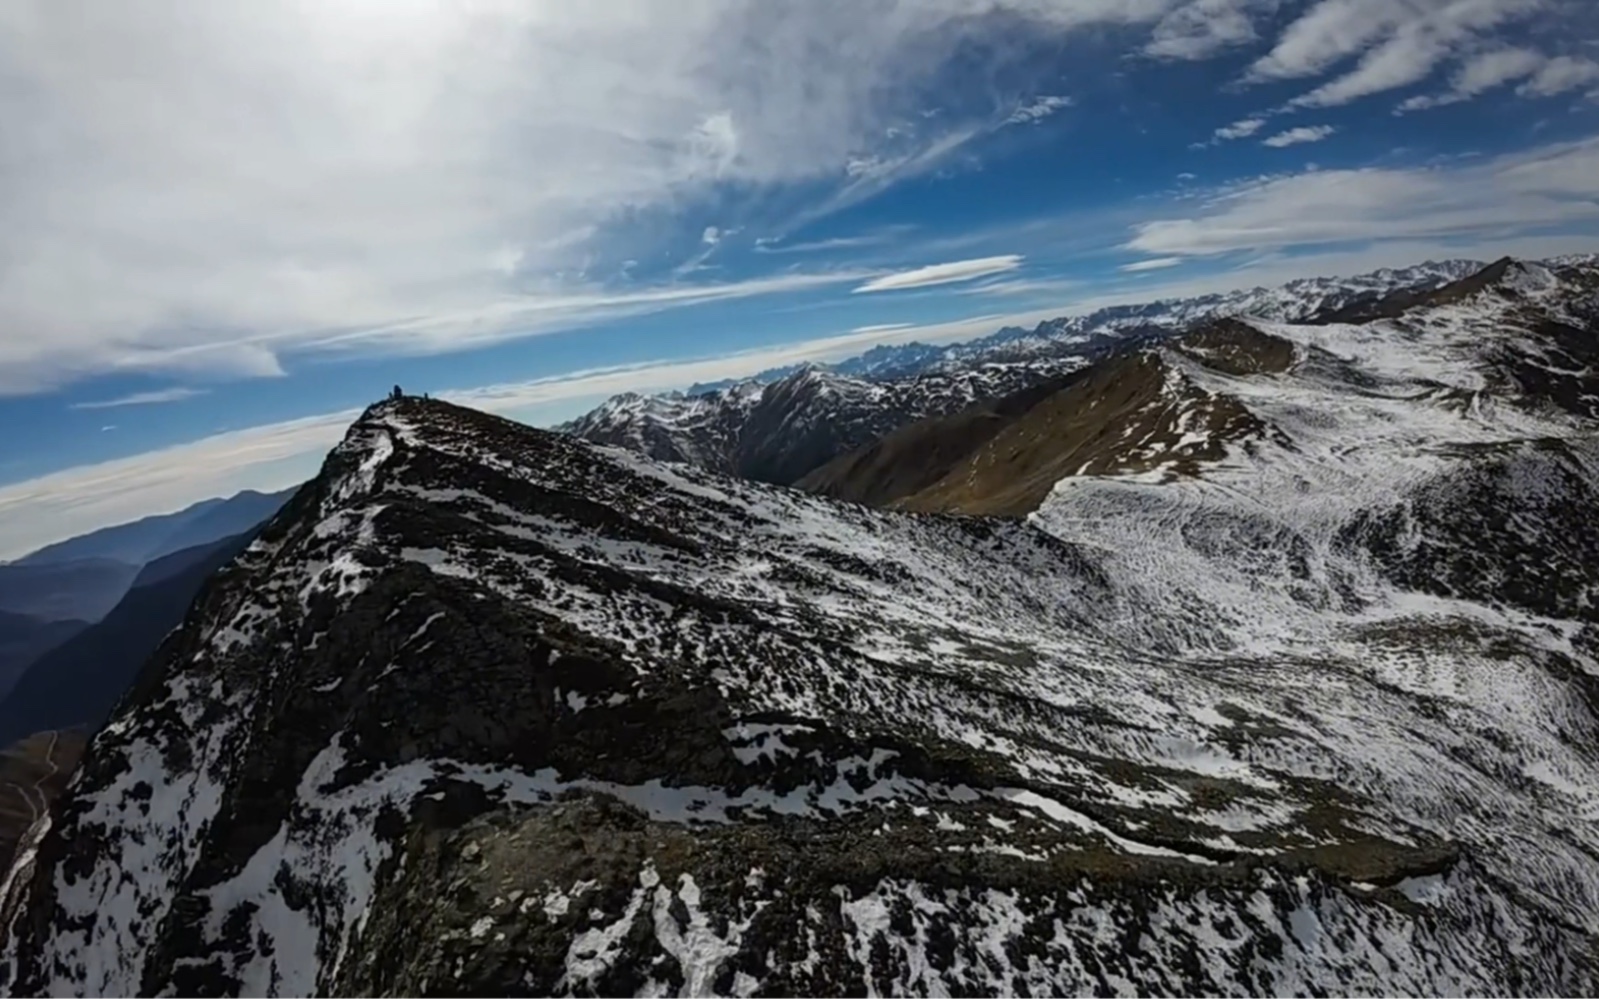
[1299, 136]
[1152, 264]
[1559, 75]
[1398, 42]
[936, 274]
[155, 398]
[1549, 187]
[1478, 75]
[1241, 129]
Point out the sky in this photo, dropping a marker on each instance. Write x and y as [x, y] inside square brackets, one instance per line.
[226, 228]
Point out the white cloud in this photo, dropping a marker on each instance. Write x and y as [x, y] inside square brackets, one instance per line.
[1152, 264]
[1329, 32]
[1406, 59]
[176, 394]
[1552, 186]
[1241, 129]
[1203, 28]
[1400, 42]
[493, 320]
[1560, 75]
[711, 236]
[218, 185]
[823, 245]
[1023, 286]
[1478, 75]
[71, 502]
[1039, 109]
[880, 327]
[1299, 136]
[934, 274]
[1492, 69]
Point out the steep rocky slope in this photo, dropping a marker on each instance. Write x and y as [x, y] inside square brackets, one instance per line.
[493, 710]
[1130, 412]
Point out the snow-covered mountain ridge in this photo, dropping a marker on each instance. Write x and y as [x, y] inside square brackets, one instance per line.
[490, 709]
[749, 427]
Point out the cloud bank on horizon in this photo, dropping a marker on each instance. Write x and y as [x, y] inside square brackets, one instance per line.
[223, 217]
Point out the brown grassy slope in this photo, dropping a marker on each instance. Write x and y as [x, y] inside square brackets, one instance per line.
[1134, 416]
[1128, 413]
[914, 457]
[33, 773]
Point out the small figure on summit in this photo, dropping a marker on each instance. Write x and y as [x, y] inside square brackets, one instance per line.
[397, 394]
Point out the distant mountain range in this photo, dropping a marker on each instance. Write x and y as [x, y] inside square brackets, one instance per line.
[82, 578]
[777, 432]
[813, 413]
[79, 617]
[81, 589]
[150, 538]
[75, 684]
[24, 639]
[1297, 299]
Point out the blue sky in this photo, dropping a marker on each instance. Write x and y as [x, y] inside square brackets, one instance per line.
[230, 226]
